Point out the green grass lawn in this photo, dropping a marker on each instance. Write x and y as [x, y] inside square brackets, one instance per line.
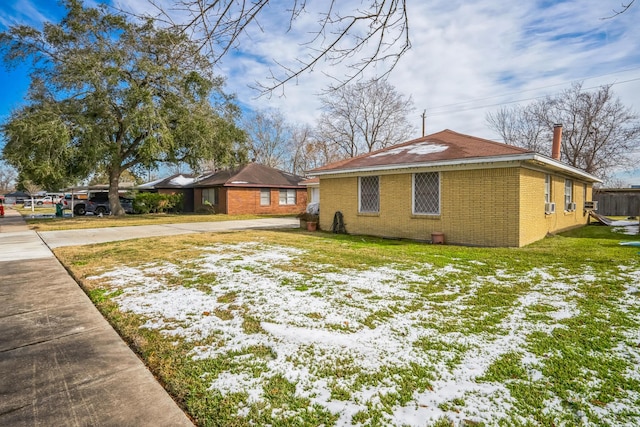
[309, 329]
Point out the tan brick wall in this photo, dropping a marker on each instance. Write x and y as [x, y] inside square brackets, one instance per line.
[485, 207]
[563, 220]
[481, 206]
[473, 206]
[533, 220]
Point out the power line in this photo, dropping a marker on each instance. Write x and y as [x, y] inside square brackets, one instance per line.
[535, 89]
[438, 113]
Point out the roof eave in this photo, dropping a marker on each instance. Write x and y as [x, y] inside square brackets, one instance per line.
[524, 157]
[561, 167]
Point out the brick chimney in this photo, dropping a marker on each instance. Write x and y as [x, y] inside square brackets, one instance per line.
[557, 141]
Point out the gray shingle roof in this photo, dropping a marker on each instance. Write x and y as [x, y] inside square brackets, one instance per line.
[250, 175]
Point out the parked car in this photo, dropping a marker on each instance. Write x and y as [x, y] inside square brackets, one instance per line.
[99, 205]
[39, 201]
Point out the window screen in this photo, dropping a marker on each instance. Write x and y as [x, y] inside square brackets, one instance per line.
[426, 193]
[369, 194]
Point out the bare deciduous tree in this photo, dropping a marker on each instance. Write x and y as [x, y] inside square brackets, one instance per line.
[623, 8]
[33, 189]
[8, 177]
[517, 123]
[599, 133]
[268, 136]
[308, 151]
[364, 117]
[360, 36]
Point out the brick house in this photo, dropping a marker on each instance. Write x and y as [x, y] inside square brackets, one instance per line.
[175, 184]
[250, 189]
[475, 191]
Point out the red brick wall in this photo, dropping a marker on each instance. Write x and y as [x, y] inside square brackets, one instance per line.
[238, 200]
[247, 201]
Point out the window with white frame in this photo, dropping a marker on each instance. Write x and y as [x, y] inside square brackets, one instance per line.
[288, 196]
[369, 194]
[568, 194]
[315, 195]
[265, 197]
[547, 188]
[210, 196]
[426, 193]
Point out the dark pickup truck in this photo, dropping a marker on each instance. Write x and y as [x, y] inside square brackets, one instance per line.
[99, 205]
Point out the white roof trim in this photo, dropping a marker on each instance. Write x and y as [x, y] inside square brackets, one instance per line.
[534, 157]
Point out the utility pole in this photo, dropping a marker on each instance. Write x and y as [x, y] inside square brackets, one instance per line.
[424, 117]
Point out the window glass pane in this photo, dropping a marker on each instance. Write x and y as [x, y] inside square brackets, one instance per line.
[209, 195]
[568, 193]
[426, 192]
[369, 194]
[547, 188]
[288, 197]
[265, 197]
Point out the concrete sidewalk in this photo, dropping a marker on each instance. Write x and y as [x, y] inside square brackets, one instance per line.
[61, 363]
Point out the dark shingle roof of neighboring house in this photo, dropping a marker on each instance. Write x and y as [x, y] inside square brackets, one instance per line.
[444, 148]
[250, 175]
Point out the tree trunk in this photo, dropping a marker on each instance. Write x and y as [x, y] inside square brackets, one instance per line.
[114, 196]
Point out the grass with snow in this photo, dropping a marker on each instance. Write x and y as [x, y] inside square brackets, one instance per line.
[291, 328]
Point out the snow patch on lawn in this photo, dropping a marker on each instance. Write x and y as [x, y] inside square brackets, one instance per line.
[365, 318]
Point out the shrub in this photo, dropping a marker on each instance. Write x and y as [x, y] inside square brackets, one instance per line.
[145, 203]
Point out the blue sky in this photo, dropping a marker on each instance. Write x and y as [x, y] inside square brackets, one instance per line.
[467, 58]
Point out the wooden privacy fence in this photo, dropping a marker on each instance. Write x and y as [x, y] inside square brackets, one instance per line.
[618, 203]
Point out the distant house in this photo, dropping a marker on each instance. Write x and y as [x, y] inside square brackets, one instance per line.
[250, 189]
[16, 197]
[474, 191]
[179, 183]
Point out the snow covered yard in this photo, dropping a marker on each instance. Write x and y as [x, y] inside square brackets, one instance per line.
[282, 329]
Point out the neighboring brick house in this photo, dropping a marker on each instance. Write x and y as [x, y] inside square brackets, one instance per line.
[251, 189]
[475, 191]
[175, 184]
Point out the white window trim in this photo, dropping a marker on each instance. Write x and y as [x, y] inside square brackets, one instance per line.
[360, 194]
[413, 196]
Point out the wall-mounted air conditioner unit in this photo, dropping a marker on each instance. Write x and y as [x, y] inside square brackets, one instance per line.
[549, 208]
[591, 205]
[571, 207]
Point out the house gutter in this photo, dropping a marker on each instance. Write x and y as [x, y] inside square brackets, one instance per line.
[535, 158]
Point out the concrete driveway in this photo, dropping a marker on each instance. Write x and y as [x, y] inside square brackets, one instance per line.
[56, 239]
